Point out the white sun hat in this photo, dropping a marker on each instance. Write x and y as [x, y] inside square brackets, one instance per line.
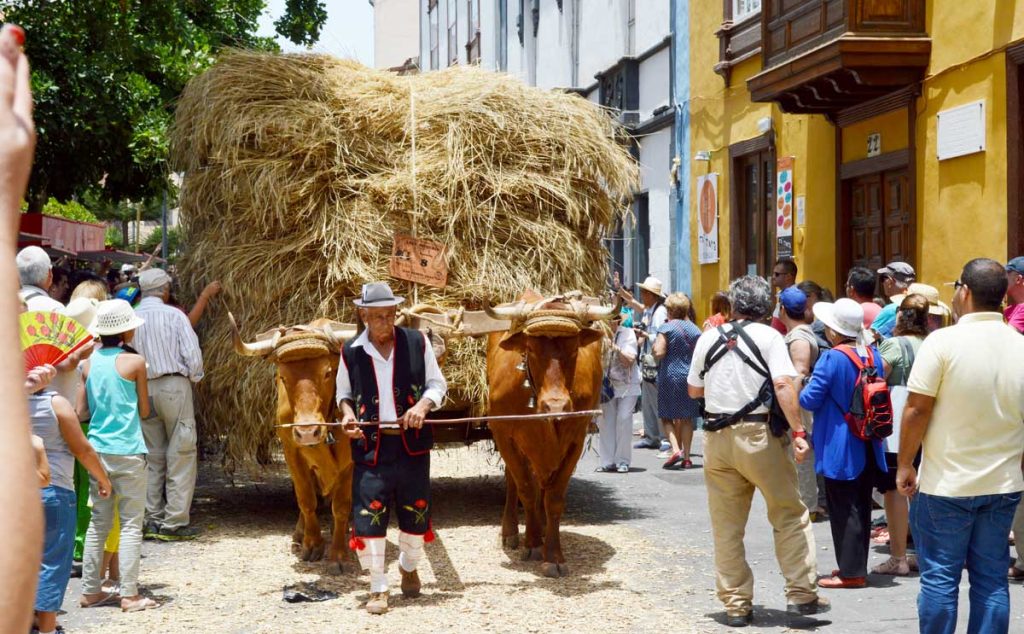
[653, 285]
[115, 316]
[845, 317]
[83, 310]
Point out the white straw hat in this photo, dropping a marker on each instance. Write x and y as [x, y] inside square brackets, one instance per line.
[845, 317]
[115, 316]
[653, 285]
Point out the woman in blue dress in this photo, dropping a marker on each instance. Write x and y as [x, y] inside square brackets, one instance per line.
[673, 348]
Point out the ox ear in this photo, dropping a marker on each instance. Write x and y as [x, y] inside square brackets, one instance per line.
[513, 342]
[589, 336]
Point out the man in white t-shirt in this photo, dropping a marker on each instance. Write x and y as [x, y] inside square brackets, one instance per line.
[966, 406]
[741, 453]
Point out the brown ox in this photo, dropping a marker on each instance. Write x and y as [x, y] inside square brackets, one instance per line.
[564, 373]
[307, 363]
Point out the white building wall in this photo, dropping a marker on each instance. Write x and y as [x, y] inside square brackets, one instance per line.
[654, 83]
[654, 175]
[603, 36]
[652, 24]
[395, 32]
[554, 45]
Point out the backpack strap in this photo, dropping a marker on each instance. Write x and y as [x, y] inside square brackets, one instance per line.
[907, 350]
[716, 351]
[761, 367]
[857, 361]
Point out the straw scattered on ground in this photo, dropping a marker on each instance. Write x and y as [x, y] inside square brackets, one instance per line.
[231, 580]
[299, 170]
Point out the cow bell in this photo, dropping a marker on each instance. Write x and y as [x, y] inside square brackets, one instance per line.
[532, 403]
[522, 366]
[526, 384]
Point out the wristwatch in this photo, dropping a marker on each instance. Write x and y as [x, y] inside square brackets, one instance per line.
[800, 434]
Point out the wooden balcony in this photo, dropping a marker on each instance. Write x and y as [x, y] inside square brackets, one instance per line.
[822, 56]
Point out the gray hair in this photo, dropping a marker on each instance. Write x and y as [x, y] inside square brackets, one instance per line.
[751, 297]
[33, 266]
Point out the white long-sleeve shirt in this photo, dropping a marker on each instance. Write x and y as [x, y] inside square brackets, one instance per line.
[383, 370]
[167, 341]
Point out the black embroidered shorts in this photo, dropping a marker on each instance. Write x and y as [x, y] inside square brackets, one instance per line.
[398, 482]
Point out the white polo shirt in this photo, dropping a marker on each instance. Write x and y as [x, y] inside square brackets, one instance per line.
[730, 384]
[975, 439]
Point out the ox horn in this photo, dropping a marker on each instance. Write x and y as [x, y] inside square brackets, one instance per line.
[508, 312]
[258, 349]
[601, 313]
[338, 334]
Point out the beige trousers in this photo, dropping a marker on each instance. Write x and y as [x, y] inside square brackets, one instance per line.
[737, 460]
[170, 434]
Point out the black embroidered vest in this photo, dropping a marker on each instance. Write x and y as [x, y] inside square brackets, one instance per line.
[408, 384]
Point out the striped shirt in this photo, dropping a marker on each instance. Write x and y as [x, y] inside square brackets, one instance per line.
[167, 341]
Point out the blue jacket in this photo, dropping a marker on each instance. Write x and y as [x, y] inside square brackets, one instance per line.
[838, 454]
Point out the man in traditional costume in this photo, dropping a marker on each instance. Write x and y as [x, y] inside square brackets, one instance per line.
[389, 375]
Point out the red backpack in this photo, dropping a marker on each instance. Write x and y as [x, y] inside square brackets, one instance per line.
[870, 412]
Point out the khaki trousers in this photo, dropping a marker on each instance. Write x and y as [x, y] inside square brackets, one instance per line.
[170, 434]
[737, 460]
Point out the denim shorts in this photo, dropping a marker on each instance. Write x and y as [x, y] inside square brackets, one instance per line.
[61, 512]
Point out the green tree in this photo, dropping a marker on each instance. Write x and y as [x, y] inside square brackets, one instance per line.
[154, 239]
[72, 210]
[105, 74]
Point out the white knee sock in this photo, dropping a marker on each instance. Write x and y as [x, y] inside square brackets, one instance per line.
[410, 550]
[371, 558]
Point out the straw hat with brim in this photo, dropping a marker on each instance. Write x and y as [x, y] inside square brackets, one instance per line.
[377, 295]
[652, 285]
[82, 310]
[935, 305]
[845, 317]
[115, 316]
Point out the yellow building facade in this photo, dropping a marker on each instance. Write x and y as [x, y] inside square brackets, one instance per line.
[903, 122]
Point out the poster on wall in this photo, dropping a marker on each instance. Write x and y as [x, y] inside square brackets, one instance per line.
[707, 219]
[784, 208]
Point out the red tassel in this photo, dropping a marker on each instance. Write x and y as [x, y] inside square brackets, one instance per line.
[355, 543]
[429, 535]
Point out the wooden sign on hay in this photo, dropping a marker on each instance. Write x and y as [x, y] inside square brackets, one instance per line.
[421, 261]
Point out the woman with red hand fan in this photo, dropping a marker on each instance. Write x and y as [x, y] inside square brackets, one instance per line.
[56, 423]
[116, 394]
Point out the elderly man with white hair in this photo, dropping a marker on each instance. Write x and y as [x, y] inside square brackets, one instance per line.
[36, 273]
[173, 362]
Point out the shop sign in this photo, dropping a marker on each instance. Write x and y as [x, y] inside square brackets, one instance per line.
[707, 219]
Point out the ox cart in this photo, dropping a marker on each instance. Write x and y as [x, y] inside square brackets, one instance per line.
[543, 365]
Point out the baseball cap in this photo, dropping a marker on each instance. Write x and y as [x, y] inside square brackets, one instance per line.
[898, 270]
[793, 299]
[153, 278]
[1016, 265]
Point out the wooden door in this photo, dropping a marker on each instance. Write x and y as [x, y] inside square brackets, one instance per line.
[879, 217]
[755, 181]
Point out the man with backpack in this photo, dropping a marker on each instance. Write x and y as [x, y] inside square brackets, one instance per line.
[803, 351]
[743, 372]
[966, 408]
[852, 414]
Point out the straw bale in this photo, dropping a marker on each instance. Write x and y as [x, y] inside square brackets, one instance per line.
[299, 170]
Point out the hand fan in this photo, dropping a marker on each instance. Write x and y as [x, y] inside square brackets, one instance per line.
[48, 337]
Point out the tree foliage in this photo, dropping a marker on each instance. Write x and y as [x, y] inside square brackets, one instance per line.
[105, 74]
[72, 210]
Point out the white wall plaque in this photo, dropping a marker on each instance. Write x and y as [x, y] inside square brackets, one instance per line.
[961, 130]
[874, 144]
[801, 212]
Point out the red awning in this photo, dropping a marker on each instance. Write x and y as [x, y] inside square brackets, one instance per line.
[67, 237]
[114, 255]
